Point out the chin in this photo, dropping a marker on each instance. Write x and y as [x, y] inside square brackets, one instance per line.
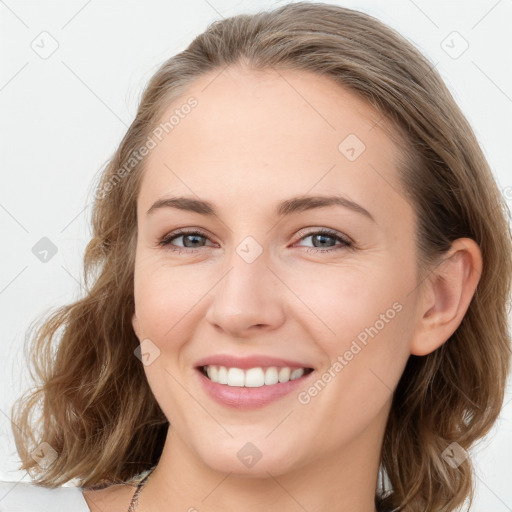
[242, 457]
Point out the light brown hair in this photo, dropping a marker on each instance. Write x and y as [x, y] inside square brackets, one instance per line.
[93, 403]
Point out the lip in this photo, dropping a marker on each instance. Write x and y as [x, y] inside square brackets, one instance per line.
[249, 362]
[241, 398]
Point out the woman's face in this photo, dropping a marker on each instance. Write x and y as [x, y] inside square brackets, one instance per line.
[261, 287]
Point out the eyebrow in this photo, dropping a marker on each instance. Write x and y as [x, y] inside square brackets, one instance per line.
[288, 207]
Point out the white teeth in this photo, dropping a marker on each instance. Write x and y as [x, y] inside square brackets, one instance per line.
[236, 377]
[222, 377]
[299, 372]
[213, 373]
[271, 376]
[284, 374]
[252, 377]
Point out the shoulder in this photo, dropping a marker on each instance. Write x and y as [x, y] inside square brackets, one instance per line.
[29, 497]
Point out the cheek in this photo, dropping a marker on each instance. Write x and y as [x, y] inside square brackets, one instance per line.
[165, 303]
[365, 363]
[343, 301]
[164, 297]
[363, 327]
[372, 324]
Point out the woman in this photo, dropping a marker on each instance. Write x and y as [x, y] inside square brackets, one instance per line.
[298, 285]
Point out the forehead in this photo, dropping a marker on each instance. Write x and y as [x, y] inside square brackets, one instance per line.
[270, 134]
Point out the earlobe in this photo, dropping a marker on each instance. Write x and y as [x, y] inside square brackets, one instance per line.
[446, 296]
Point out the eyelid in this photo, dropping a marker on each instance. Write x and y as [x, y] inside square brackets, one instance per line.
[183, 232]
[346, 242]
[312, 230]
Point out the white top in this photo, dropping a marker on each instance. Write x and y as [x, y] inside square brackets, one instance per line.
[28, 497]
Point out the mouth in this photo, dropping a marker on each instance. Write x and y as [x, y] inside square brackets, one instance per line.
[250, 388]
[256, 377]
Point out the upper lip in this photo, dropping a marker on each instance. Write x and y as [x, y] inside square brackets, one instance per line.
[254, 361]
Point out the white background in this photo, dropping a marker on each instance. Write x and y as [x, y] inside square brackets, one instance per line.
[63, 116]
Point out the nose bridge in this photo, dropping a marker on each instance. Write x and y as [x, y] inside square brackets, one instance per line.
[247, 294]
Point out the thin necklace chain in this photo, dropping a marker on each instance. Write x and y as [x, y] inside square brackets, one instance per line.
[140, 485]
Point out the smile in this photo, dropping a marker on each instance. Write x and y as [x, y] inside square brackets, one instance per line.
[251, 388]
[252, 377]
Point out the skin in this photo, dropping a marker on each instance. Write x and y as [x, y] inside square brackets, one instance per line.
[257, 138]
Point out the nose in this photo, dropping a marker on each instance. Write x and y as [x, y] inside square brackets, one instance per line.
[248, 299]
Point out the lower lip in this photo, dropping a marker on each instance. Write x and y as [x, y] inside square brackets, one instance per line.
[249, 398]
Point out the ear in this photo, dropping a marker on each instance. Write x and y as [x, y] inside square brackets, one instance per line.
[446, 296]
[135, 325]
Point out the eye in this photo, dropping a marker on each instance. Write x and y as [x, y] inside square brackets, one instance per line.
[192, 242]
[326, 236]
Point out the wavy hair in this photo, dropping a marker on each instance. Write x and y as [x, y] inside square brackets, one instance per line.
[92, 403]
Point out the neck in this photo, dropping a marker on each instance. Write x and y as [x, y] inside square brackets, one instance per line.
[344, 481]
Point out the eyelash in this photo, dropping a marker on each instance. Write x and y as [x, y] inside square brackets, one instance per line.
[168, 238]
